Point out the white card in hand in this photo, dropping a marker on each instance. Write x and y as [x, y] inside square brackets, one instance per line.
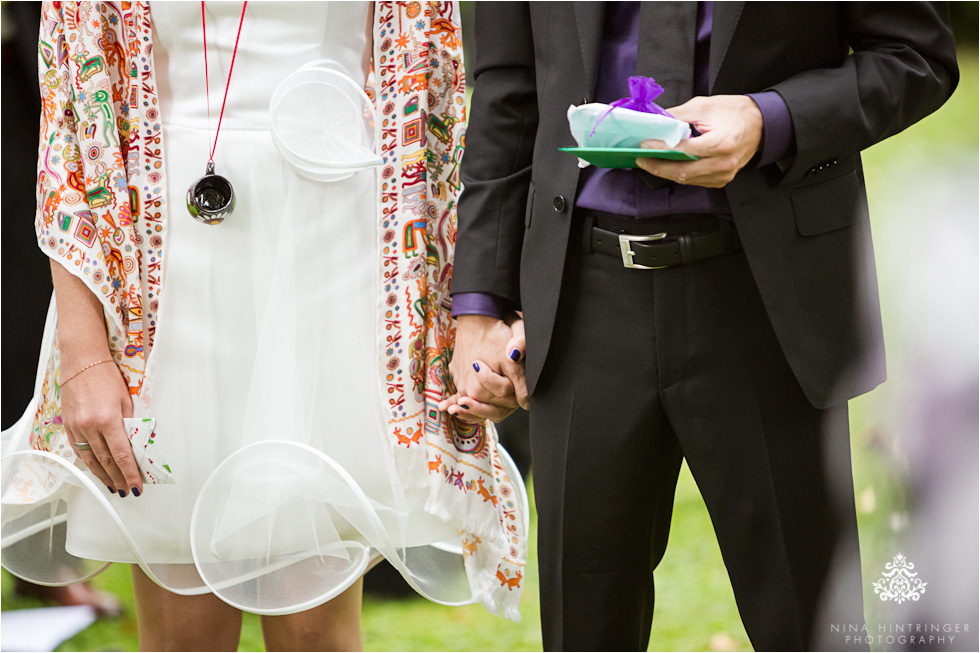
[150, 457]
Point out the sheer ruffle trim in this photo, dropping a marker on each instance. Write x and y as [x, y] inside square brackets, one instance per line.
[279, 527]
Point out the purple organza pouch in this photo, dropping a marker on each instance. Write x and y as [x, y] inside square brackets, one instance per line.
[643, 92]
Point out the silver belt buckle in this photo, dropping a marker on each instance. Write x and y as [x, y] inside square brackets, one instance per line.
[625, 247]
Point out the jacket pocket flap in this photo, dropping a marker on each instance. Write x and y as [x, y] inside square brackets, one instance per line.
[827, 206]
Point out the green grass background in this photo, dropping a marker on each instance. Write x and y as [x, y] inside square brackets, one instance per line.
[695, 610]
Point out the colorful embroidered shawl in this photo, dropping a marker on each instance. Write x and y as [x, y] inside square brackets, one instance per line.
[421, 97]
[100, 187]
[101, 214]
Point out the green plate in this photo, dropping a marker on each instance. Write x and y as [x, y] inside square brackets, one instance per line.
[623, 157]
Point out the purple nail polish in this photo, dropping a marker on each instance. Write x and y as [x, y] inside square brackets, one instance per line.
[136, 492]
[515, 355]
[476, 366]
[122, 493]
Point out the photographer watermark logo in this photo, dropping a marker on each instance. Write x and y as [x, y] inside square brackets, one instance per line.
[899, 583]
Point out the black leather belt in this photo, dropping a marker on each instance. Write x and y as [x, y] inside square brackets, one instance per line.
[664, 249]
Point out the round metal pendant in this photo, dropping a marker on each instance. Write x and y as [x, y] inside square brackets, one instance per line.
[211, 198]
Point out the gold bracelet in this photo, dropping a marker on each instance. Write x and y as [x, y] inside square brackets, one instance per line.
[107, 360]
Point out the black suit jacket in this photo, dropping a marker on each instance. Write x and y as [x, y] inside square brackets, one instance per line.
[803, 222]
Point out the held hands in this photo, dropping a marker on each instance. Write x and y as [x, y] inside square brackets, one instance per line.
[731, 130]
[487, 368]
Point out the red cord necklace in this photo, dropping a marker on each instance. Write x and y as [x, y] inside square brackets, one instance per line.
[211, 198]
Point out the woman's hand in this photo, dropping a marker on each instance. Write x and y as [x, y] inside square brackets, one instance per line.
[494, 386]
[94, 401]
[93, 406]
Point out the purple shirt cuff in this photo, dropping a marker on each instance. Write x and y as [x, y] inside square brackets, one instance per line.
[777, 128]
[478, 303]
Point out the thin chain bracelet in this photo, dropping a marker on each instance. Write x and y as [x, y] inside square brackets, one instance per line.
[107, 360]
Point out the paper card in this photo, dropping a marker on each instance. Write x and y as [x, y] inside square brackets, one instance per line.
[150, 457]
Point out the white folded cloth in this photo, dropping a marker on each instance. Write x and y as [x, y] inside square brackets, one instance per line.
[622, 127]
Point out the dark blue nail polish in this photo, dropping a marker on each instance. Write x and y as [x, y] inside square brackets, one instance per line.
[476, 367]
[515, 355]
[111, 491]
[136, 492]
[464, 407]
[122, 493]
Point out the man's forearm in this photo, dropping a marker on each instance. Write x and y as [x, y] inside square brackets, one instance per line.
[777, 128]
[478, 303]
[496, 170]
[902, 68]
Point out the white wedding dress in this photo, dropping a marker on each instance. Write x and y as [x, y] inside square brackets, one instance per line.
[265, 384]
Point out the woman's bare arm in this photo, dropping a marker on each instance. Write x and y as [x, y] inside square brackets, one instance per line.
[93, 403]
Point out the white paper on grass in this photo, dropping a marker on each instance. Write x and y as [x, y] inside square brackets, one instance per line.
[43, 629]
[622, 127]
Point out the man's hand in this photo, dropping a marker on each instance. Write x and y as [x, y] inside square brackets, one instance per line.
[487, 368]
[731, 130]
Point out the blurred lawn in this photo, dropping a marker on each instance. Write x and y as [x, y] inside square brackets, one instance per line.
[932, 165]
[695, 610]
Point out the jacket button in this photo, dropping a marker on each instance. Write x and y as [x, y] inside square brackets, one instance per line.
[559, 203]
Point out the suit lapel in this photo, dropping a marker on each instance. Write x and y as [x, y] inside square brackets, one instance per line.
[724, 17]
[589, 19]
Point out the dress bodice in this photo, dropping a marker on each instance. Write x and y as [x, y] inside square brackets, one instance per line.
[276, 39]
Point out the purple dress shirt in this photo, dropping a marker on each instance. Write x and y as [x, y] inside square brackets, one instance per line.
[621, 191]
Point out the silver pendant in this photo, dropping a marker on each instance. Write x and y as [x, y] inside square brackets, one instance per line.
[211, 198]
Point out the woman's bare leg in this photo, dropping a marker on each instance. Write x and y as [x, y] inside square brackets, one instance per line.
[333, 626]
[171, 622]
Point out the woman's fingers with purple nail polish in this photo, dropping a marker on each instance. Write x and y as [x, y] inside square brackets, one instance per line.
[491, 388]
[513, 364]
[478, 411]
[447, 402]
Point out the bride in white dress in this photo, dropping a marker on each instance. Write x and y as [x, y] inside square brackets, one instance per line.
[265, 397]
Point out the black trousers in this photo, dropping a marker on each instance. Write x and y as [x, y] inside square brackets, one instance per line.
[649, 367]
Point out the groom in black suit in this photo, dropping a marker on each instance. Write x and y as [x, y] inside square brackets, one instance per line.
[721, 311]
